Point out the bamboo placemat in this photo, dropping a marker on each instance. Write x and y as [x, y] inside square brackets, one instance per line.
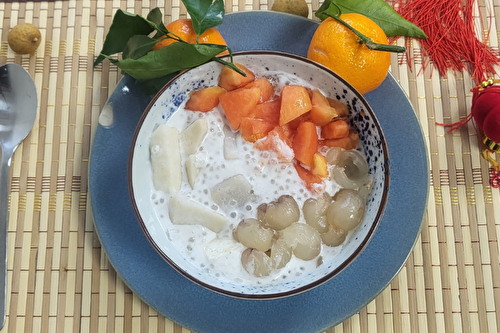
[59, 278]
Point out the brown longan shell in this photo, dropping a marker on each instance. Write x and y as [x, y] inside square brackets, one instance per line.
[296, 7]
[24, 38]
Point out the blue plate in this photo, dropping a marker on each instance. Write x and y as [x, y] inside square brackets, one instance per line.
[201, 310]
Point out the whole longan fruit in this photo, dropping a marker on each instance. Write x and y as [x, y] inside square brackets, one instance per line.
[24, 38]
[297, 7]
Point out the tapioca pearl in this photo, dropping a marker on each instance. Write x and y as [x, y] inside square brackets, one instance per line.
[155, 149]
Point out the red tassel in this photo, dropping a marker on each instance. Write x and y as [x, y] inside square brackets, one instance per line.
[452, 43]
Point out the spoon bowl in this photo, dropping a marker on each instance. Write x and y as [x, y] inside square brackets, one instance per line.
[18, 110]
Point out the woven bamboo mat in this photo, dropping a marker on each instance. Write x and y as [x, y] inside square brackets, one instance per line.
[59, 278]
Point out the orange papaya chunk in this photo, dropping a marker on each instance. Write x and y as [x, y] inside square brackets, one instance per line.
[205, 99]
[313, 182]
[305, 143]
[295, 101]
[349, 142]
[320, 166]
[229, 79]
[336, 129]
[254, 129]
[238, 103]
[292, 125]
[269, 111]
[341, 108]
[321, 112]
[277, 141]
[266, 88]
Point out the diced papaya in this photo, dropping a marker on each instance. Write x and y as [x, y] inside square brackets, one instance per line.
[349, 142]
[229, 79]
[238, 103]
[205, 99]
[254, 129]
[341, 108]
[305, 143]
[277, 141]
[320, 166]
[266, 88]
[292, 125]
[269, 111]
[313, 182]
[295, 101]
[321, 112]
[288, 131]
[336, 129]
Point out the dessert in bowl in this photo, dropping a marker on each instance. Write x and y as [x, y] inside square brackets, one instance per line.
[237, 202]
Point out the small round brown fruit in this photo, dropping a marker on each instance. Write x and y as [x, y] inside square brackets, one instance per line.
[297, 7]
[24, 38]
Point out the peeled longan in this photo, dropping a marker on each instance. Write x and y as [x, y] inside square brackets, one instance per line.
[297, 7]
[24, 38]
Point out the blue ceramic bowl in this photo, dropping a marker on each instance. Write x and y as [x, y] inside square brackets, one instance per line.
[173, 97]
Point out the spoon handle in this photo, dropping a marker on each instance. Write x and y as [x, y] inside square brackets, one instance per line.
[4, 218]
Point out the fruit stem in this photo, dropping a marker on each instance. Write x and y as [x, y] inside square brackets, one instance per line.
[362, 39]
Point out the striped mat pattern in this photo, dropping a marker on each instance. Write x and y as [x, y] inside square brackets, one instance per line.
[59, 277]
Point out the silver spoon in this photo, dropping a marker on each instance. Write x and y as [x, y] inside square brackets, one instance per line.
[18, 108]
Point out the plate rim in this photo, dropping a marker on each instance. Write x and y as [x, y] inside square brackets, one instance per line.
[163, 307]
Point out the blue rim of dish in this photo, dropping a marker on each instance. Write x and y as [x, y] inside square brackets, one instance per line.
[195, 308]
[308, 286]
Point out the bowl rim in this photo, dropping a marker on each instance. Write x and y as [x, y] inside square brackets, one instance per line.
[349, 260]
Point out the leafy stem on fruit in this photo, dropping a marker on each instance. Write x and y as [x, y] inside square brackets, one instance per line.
[133, 37]
[362, 39]
[379, 11]
[334, 12]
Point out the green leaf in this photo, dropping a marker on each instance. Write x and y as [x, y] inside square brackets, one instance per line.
[379, 11]
[138, 46]
[170, 59]
[124, 26]
[155, 16]
[205, 14]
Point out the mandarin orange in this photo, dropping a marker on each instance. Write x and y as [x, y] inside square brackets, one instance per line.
[183, 28]
[338, 48]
